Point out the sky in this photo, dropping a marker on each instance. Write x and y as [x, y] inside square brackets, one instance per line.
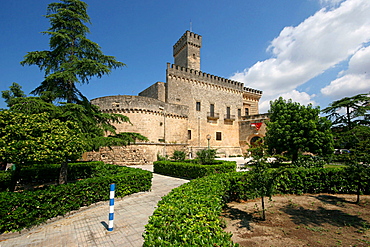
[310, 51]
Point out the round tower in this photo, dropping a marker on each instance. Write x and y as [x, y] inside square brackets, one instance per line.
[187, 51]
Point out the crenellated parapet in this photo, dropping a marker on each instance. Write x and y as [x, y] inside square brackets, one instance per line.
[176, 71]
[189, 38]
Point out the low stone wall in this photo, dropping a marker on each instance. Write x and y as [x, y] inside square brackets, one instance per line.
[136, 154]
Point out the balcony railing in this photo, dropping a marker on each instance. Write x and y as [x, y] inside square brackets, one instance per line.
[213, 115]
[229, 117]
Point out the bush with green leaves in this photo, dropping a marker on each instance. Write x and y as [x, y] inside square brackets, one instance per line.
[192, 170]
[206, 156]
[190, 214]
[178, 155]
[307, 161]
[32, 207]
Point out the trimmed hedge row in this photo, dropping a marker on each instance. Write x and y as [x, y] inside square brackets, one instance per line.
[302, 180]
[45, 173]
[19, 210]
[192, 170]
[190, 214]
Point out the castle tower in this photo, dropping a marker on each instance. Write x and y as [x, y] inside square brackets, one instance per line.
[187, 51]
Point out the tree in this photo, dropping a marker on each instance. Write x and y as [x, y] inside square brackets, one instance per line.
[36, 138]
[72, 57]
[261, 178]
[294, 128]
[15, 91]
[356, 111]
[94, 127]
[351, 121]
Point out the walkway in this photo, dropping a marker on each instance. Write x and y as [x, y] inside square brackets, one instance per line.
[89, 227]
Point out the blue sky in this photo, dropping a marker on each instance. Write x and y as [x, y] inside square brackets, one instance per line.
[313, 51]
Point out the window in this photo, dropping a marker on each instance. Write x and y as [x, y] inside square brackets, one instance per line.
[212, 110]
[189, 134]
[239, 112]
[246, 111]
[218, 136]
[197, 106]
[228, 113]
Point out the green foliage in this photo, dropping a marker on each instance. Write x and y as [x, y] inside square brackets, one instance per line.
[192, 170]
[36, 138]
[5, 180]
[28, 208]
[15, 91]
[90, 122]
[190, 215]
[162, 158]
[307, 161]
[72, 57]
[178, 155]
[294, 128]
[356, 111]
[206, 156]
[359, 173]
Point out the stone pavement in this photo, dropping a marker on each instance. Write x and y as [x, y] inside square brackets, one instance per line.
[88, 227]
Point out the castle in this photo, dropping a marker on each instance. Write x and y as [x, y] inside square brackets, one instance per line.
[191, 111]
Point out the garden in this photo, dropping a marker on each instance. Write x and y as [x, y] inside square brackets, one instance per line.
[38, 197]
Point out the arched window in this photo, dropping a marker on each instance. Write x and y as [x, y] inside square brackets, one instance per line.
[254, 139]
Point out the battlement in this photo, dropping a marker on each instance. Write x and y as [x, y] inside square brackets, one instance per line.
[187, 38]
[202, 76]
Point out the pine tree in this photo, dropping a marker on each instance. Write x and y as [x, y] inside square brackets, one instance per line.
[72, 57]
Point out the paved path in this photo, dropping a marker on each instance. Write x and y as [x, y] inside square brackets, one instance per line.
[88, 227]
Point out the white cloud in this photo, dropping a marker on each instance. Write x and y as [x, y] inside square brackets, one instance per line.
[301, 97]
[355, 80]
[330, 3]
[303, 52]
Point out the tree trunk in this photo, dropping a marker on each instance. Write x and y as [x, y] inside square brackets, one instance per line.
[358, 192]
[295, 156]
[263, 209]
[63, 173]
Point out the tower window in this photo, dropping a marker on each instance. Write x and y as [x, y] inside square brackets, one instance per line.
[212, 110]
[239, 112]
[246, 111]
[218, 136]
[197, 106]
[189, 134]
[228, 116]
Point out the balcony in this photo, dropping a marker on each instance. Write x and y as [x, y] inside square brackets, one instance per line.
[229, 117]
[213, 116]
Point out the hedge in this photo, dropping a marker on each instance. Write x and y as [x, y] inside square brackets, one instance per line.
[19, 210]
[190, 214]
[192, 170]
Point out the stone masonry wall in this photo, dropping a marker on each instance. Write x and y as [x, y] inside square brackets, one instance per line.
[137, 154]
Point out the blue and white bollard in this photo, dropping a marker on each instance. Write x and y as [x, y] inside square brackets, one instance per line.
[111, 207]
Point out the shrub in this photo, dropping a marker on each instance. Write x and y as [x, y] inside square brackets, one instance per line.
[191, 170]
[24, 209]
[5, 180]
[307, 161]
[178, 155]
[206, 156]
[190, 214]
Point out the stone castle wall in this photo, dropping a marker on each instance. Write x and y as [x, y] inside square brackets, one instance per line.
[156, 91]
[150, 117]
[136, 154]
